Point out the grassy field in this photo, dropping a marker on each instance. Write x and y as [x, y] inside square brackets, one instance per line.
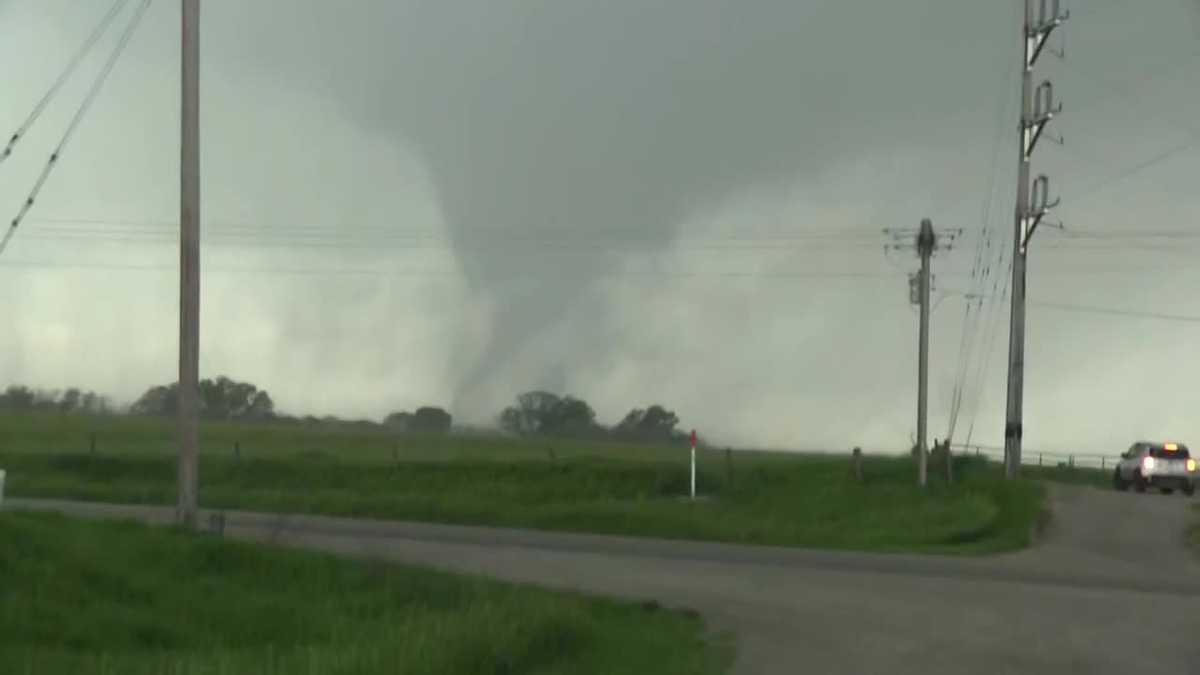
[78, 598]
[748, 497]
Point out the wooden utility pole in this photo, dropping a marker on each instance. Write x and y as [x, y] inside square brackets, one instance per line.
[188, 421]
[926, 243]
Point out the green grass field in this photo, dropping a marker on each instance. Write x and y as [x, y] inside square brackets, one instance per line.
[83, 598]
[755, 498]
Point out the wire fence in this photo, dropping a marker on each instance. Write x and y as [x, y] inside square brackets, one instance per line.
[1029, 457]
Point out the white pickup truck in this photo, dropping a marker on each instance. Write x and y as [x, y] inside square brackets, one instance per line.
[1166, 466]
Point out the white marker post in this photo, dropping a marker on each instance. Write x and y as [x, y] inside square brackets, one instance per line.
[693, 442]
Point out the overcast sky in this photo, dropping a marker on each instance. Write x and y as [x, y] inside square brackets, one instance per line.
[675, 201]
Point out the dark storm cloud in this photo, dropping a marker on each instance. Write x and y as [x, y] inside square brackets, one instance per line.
[598, 120]
[573, 154]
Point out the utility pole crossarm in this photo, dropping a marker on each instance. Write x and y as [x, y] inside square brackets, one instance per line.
[1038, 30]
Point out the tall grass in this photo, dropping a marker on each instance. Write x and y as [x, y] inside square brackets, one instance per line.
[91, 597]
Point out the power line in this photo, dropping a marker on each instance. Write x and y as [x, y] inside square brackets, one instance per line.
[509, 248]
[1143, 271]
[981, 270]
[375, 237]
[1146, 77]
[1001, 283]
[1067, 307]
[639, 232]
[989, 316]
[88, 100]
[994, 318]
[1110, 311]
[1140, 167]
[715, 274]
[74, 62]
[435, 241]
[1150, 75]
[1159, 250]
[149, 228]
[1131, 233]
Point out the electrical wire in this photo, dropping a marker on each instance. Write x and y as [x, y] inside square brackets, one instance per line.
[1137, 168]
[1117, 89]
[374, 238]
[1132, 233]
[705, 274]
[981, 267]
[999, 294]
[981, 274]
[498, 247]
[168, 228]
[88, 100]
[987, 358]
[1111, 311]
[1088, 309]
[72, 65]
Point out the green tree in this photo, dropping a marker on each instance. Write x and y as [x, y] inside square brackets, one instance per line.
[431, 420]
[18, 398]
[398, 421]
[655, 423]
[541, 412]
[220, 399]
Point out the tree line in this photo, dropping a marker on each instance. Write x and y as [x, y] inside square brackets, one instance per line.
[544, 413]
[19, 398]
[220, 399]
[534, 413]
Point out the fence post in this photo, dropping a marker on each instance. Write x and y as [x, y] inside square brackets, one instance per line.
[1071, 461]
[1039, 459]
[949, 464]
[1102, 463]
[858, 469]
[729, 466]
[237, 451]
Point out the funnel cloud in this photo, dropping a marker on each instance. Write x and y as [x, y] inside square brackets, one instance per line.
[677, 201]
